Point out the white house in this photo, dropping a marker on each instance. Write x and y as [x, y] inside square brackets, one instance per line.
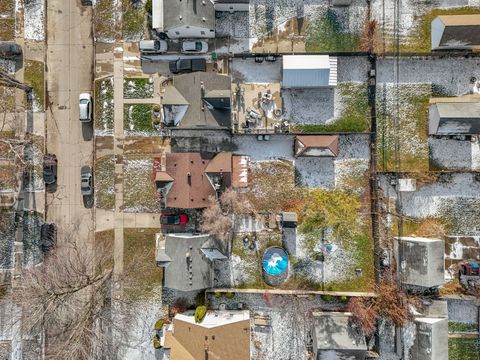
[309, 71]
[455, 32]
[184, 18]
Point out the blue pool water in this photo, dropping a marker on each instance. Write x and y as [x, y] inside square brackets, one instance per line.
[275, 261]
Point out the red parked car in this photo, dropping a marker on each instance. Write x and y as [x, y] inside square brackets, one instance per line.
[173, 219]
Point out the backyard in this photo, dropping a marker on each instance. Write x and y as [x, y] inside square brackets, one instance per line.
[402, 115]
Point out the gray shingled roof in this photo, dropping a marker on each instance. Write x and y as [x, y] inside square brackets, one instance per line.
[188, 12]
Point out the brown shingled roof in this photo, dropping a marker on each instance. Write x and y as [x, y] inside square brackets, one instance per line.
[191, 186]
[305, 142]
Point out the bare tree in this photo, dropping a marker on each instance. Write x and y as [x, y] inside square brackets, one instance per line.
[68, 296]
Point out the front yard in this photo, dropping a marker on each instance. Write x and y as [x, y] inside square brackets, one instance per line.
[137, 88]
[34, 76]
[138, 120]
[105, 182]
[104, 106]
[139, 193]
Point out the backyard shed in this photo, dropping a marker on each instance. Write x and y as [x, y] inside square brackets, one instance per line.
[309, 71]
[335, 336]
[316, 145]
[455, 32]
[454, 118]
[420, 261]
[431, 341]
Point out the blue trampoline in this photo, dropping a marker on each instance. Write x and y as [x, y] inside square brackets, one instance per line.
[275, 261]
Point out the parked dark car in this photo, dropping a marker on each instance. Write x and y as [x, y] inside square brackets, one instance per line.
[48, 236]
[87, 2]
[173, 219]
[9, 50]
[50, 171]
[183, 66]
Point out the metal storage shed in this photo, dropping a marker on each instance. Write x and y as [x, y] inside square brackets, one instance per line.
[454, 118]
[309, 71]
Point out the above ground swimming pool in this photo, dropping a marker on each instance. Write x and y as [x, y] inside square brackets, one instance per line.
[275, 261]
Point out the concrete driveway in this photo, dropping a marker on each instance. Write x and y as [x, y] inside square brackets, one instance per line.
[70, 65]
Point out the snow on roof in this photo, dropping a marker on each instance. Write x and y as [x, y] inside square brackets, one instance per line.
[215, 318]
[306, 62]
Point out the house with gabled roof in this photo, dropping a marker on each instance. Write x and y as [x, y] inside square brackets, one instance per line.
[222, 334]
[199, 100]
[190, 179]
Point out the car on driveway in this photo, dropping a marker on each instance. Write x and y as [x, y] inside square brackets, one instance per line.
[183, 66]
[194, 47]
[153, 46]
[174, 219]
[10, 50]
[85, 106]
[86, 184]
[50, 171]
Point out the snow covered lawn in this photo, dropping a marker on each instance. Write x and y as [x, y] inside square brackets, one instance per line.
[137, 88]
[137, 120]
[104, 106]
[402, 119]
[105, 182]
[34, 157]
[139, 193]
[454, 155]
[34, 20]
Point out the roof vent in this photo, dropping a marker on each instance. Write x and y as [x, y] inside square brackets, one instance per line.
[180, 17]
[203, 19]
[203, 2]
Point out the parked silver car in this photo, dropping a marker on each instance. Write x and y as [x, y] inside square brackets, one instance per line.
[153, 46]
[194, 47]
[85, 103]
[86, 184]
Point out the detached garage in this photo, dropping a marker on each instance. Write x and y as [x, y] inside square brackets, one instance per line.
[309, 71]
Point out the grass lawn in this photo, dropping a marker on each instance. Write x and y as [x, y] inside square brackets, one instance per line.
[139, 193]
[142, 276]
[419, 39]
[104, 104]
[7, 29]
[5, 151]
[34, 76]
[105, 182]
[104, 20]
[133, 20]
[405, 126]
[327, 34]
[137, 119]
[7, 177]
[137, 88]
[461, 327]
[463, 349]
[7, 7]
[354, 116]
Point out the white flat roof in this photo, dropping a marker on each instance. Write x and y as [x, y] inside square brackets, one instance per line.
[306, 62]
[216, 318]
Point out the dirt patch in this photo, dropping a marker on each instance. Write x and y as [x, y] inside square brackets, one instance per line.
[7, 7]
[103, 146]
[7, 29]
[152, 145]
[105, 182]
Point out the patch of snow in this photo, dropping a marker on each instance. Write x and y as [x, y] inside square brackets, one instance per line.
[34, 20]
[251, 72]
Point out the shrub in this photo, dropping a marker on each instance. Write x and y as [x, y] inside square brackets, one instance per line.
[200, 298]
[200, 313]
[327, 298]
[159, 324]
[148, 7]
[230, 295]
[217, 295]
[343, 298]
[156, 342]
